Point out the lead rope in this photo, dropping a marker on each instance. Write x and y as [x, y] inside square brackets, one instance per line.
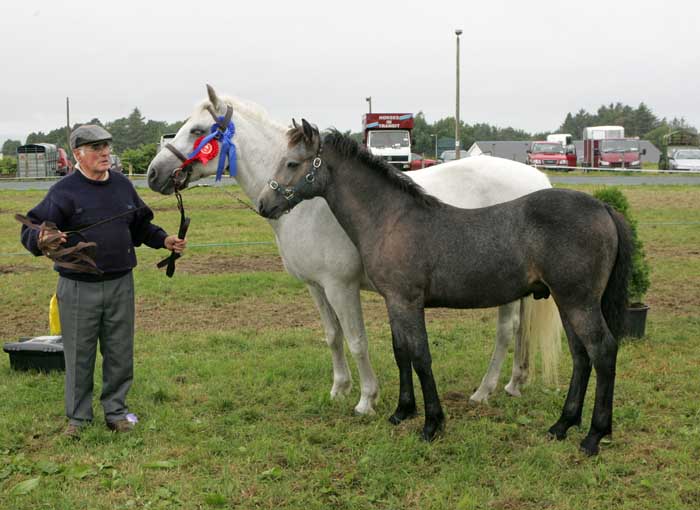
[169, 261]
[80, 257]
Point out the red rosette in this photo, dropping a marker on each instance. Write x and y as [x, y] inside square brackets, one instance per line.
[208, 152]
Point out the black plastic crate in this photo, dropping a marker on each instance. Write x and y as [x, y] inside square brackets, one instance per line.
[43, 353]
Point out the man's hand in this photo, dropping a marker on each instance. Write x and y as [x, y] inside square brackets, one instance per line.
[174, 243]
[50, 238]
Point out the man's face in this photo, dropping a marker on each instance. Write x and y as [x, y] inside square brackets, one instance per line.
[94, 157]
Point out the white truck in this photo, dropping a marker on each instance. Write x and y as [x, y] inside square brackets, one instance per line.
[388, 135]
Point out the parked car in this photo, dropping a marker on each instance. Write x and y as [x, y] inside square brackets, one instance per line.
[450, 155]
[418, 162]
[63, 165]
[546, 154]
[685, 159]
[116, 163]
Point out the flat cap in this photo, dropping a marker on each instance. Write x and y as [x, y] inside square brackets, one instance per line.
[87, 134]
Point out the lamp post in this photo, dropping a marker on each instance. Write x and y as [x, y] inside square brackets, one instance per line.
[369, 100]
[435, 136]
[458, 32]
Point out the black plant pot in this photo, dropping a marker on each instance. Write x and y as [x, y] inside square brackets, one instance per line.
[636, 320]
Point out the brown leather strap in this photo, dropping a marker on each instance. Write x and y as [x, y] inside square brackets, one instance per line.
[177, 153]
[74, 258]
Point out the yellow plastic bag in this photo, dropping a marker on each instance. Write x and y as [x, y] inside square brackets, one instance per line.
[54, 319]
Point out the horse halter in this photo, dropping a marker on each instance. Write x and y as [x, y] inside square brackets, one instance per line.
[295, 194]
[223, 129]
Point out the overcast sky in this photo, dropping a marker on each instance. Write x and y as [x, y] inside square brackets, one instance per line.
[523, 64]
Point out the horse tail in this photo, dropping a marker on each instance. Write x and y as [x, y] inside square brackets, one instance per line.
[541, 330]
[614, 302]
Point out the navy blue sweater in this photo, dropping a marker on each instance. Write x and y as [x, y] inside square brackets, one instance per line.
[75, 202]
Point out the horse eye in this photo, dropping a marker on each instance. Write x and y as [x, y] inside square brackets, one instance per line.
[197, 132]
[292, 164]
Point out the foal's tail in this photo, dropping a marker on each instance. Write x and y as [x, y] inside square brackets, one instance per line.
[541, 331]
[614, 300]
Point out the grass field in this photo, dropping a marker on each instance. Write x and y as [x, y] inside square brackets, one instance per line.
[233, 376]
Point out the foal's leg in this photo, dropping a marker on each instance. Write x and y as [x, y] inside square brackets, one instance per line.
[603, 348]
[407, 399]
[342, 378]
[595, 343]
[345, 300]
[573, 407]
[508, 320]
[411, 348]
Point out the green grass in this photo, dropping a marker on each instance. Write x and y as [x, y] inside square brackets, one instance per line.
[233, 375]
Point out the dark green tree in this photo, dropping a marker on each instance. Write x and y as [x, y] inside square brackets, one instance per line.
[9, 148]
[139, 158]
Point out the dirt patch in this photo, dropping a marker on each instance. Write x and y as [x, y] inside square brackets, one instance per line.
[218, 264]
[247, 314]
[19, 269]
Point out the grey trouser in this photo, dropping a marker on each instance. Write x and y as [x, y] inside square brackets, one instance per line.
[92, 310]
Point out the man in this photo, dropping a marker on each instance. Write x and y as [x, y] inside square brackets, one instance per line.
[97, 306]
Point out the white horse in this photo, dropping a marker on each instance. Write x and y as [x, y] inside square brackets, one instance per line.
[319, 253]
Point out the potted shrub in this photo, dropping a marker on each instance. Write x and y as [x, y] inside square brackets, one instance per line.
[639, 279]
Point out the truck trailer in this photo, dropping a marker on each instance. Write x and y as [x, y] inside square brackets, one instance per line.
[388, 135]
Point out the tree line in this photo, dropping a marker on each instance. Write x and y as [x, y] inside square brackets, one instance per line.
[639, 121]
[135, 138]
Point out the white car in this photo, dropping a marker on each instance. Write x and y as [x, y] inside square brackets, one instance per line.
[685, 159]
[451, 155]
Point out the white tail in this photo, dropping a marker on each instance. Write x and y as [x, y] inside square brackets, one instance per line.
[541, 332]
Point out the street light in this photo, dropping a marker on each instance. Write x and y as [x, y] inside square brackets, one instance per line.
[369, 100]
[458, 32]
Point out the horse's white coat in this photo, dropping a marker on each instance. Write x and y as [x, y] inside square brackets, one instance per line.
[318, 251]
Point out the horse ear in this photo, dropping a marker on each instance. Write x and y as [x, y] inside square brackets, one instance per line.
[308, 131]
[212, 97]
[294, 124]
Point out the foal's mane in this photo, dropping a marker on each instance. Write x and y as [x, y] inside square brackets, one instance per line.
[347, 148]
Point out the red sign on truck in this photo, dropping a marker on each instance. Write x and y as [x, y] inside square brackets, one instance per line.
[387, 121]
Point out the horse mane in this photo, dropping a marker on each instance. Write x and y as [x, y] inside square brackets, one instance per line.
[348, 148]
[244, 108]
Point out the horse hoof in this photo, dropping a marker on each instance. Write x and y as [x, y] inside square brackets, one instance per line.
[589, 446]
[479, 397]
[557, 431]
[364, 410]
[340, 391]
[513, 391]
[431, 432]
[401, 415]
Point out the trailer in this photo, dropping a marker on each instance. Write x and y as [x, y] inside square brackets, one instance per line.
[37, 160]
[607, 147]
[679, 151]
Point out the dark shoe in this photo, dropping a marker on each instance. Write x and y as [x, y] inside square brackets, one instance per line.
[120, 426]
[72, 431]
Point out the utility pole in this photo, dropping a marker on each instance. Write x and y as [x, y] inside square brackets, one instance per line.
[68, 152]
[369, 100]
[458, 32]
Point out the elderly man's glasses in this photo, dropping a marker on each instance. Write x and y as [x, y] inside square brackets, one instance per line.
[99, 146]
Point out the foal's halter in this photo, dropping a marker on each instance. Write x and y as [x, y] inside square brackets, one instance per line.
[297, 193]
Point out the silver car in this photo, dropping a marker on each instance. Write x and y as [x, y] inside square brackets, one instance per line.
[451, 155]
[685, 159]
